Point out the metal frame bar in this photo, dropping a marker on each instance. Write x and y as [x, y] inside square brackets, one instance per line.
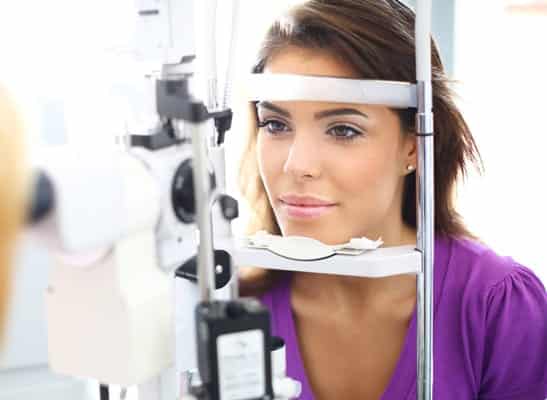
[426, 201]
[205, 11]
[290, 87]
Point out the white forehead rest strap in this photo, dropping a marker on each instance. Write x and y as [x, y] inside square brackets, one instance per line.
[287, 87]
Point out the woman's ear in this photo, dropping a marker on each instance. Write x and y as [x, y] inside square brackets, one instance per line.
[410, 152]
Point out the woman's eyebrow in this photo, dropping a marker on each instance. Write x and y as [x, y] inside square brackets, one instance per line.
[274, 108]
[318, 115]
[339, 111]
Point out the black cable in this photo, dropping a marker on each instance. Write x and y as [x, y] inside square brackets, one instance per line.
[104, 394]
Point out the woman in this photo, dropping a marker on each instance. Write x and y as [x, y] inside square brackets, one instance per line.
[355, 338]
[12, 192]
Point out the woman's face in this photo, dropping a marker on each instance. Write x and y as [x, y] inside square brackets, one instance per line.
[332, 171]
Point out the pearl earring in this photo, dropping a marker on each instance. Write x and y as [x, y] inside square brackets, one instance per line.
[410, 168]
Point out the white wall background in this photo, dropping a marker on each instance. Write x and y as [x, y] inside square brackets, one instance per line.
[501, 64]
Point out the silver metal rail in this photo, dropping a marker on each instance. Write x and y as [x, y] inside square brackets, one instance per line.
[426, 201]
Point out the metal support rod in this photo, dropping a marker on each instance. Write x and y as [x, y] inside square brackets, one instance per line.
[206, 12]
[211, 49]
[425, 200]
[200, 133]
[234, 35]
[425, 277]
[226, 103]
[206, 50]
[202, 192]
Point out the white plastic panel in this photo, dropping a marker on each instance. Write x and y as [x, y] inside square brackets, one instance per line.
[289, 87]
[24, 373]
[385, 261]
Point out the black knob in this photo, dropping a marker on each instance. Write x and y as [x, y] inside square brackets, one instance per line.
[43, 198]
[182, 192]
[229, 207]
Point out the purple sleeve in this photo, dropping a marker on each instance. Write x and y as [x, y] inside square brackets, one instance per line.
[515, 348]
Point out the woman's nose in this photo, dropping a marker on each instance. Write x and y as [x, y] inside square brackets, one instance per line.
[303, 158]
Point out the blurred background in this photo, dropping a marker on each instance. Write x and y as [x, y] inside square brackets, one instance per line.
[75, 70]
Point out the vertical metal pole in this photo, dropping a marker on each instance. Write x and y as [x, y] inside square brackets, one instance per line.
[425, 277]
[205, 26]
[202, 193]
[234, 35]
[426, 201]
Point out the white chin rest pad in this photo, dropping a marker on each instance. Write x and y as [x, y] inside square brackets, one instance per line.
[300, 248]
[290, 87]
[309, 249]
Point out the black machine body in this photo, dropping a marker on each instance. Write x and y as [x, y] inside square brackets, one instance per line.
[234, 358]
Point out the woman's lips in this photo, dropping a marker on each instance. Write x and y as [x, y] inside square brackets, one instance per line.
[305, 211]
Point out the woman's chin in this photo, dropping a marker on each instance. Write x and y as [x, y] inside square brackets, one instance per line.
[323, 235]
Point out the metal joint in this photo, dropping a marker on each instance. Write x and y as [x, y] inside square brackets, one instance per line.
[424, 93]
[424, 116]
[424, 124]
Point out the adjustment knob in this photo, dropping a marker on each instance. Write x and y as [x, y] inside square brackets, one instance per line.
[182, 192]
[229, 207]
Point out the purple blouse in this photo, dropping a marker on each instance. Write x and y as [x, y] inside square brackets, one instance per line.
[490, 330]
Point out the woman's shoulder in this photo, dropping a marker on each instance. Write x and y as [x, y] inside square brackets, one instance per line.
[486, 289]
[481, 280]
[503, 316]
[472, 263]
[474, 269]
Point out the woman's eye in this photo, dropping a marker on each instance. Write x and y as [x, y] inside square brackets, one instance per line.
[344, 132]
[273, 126]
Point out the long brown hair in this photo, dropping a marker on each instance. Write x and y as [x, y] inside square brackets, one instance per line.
[13, 190]
[376, 39]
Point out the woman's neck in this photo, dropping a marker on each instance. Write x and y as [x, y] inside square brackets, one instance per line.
[355, 294]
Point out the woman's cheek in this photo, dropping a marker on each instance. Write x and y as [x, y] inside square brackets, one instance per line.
[260, 153]
[271, 158]
[363, 180]
[266, 163]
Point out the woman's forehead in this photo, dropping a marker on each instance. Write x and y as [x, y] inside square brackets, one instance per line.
[300, 61]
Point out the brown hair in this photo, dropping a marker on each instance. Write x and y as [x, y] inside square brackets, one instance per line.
[13, 188]
[376, 39]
